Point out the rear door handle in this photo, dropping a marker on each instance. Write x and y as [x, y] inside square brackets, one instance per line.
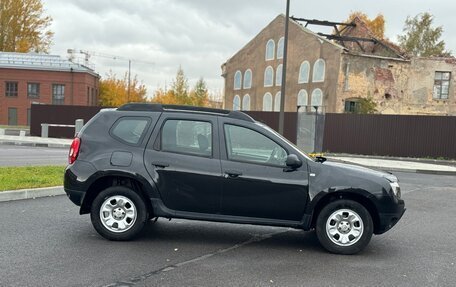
[232, 173]
[160, 164]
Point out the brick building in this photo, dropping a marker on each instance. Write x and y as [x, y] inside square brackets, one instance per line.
[333, 72]
[46, 79]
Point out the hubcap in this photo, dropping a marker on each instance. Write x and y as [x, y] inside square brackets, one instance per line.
[118, 213]
[344, 227]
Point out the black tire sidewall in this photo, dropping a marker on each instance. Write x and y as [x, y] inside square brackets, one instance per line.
[140, 210]
[326, 242]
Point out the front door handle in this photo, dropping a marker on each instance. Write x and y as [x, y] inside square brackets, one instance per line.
[232, 173]
[160, 164]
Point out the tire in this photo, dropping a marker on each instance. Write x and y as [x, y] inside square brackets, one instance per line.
[118, 213]
[344, 227]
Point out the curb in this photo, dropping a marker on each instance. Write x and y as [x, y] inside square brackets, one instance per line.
[34, 144]
[28, 193]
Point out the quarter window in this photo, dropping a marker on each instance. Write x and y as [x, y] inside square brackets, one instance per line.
[129, 130]
[58, 94]
[11, 89]
[247, 145]
[187, 137]
[441, 85]
[237, 80]
[270, 50]
[33, 90]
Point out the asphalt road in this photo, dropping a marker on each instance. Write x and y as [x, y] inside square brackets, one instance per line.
[11, 155]
[44, 242]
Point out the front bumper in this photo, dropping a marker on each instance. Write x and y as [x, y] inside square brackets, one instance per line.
[388, 220]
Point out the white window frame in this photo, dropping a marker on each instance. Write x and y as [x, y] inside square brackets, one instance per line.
[267, 102]
[303, 98]
[236, 103]
[312, 98]
[278, 77]
[315, 70]
[246, 102]
[247, 81]
[268, 68]
[272, 53]
[302, 79]
[237, 84]
[277, 97]
[280, 48]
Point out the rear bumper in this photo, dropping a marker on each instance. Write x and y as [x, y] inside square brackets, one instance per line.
[388, 220]
[75, 196]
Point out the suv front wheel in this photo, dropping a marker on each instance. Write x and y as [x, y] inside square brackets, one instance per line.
[344, 227]
[118, 213]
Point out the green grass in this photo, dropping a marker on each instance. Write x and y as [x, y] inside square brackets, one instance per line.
[12, 178]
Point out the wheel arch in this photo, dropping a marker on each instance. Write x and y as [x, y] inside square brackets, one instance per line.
[348, 194]
[103, 180]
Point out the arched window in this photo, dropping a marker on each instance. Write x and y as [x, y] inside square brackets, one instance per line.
[246, 103]
[304, 72]
[317, 98]
[302, 98]
[237, 80]
[268, 76]
[236, 103]
[277, 102]
[319, 71]
[280, 48]
[248, 79]
[267, 102]
[270, 50]
[279, 75]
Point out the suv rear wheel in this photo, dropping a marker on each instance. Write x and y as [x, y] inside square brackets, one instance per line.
[118, 213]
[344, 227]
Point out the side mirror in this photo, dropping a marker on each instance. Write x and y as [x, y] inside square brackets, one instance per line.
[293, 162]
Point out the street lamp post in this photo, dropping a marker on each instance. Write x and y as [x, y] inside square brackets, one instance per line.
[284, 71]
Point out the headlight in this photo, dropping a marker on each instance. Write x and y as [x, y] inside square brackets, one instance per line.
[396, 189]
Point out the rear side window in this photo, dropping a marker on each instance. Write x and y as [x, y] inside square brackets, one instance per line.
[187, 137]
[129, 129]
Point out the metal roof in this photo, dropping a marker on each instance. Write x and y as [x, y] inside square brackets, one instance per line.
[42, 62]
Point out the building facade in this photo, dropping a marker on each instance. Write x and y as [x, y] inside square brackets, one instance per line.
[42, 79]
[331, 73]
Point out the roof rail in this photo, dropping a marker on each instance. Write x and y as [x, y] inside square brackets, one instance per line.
[160, 108]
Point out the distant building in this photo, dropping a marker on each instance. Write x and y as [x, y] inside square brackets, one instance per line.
[333, 72]
[47, 79]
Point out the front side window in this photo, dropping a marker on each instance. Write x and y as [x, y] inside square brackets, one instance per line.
[268, 76]
[237, 80]
[247, 145]
[187, 137]
[441, 85]
[129, 129]
[58, 94]
[33, 90]
[319, 71]
[248, 79]
[270, 50]
[11, 89]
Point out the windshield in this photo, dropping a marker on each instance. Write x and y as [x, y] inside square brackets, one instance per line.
[285, 140]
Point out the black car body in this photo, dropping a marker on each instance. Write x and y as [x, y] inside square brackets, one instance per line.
[151, 160]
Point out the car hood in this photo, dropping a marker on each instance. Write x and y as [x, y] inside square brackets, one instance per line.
[360, 169]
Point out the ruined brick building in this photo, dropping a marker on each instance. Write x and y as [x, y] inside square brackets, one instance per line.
[333, 72]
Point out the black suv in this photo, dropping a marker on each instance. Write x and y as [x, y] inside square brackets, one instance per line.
[144, 161]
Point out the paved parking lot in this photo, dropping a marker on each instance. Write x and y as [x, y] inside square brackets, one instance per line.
[44, 242]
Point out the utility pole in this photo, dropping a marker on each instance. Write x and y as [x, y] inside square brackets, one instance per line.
[284, 72]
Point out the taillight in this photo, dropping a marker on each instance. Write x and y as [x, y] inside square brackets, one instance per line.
[74, 150]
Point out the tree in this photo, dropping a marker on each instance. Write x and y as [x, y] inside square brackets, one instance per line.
[114, 92]
[366, 106]
[179, 93]
[24, 27]
[421, 39]
[376, 25]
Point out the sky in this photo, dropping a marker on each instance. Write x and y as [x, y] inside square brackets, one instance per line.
[159, 36]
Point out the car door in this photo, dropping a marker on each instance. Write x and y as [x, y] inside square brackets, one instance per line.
[256, 182]
[183, 159]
